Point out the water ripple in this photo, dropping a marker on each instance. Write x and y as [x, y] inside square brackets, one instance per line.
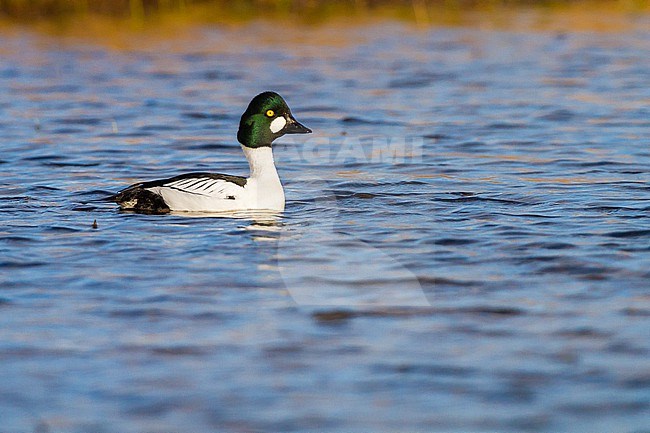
[490, 275]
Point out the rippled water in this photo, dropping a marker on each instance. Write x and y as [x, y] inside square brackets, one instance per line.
[466, 244]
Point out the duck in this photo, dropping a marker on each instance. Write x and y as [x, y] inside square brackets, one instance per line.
[266, 119]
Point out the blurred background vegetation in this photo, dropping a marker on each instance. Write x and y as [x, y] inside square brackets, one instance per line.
[145, 11]
[115, 21]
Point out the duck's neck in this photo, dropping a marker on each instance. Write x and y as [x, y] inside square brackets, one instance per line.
[261, 163]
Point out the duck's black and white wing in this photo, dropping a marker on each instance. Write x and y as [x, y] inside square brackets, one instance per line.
[191, 192]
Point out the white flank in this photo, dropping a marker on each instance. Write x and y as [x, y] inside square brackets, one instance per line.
[263, 189]
[277, 124]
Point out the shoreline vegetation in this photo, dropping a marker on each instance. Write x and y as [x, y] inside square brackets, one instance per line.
[89, 16]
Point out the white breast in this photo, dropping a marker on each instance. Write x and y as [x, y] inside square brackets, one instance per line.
[264, 183]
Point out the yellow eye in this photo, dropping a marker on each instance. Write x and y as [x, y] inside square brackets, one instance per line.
[270, 113]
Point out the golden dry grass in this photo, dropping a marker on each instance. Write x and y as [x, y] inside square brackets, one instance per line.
[114, 18]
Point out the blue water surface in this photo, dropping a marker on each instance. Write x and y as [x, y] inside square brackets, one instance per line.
[466, 244]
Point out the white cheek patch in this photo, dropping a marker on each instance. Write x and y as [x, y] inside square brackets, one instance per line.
[277, 124]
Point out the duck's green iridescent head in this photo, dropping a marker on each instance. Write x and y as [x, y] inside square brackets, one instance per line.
[267, 118]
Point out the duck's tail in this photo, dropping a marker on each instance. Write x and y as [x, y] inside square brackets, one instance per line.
[138, 199]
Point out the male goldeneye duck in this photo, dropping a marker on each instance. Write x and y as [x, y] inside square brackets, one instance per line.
[267, 117]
